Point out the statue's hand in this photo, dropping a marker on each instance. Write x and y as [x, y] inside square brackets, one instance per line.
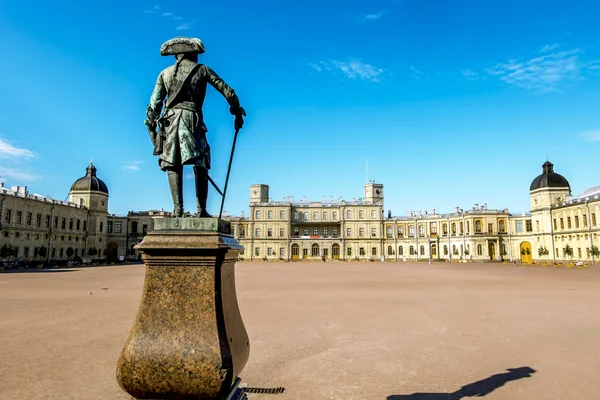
[239, 113]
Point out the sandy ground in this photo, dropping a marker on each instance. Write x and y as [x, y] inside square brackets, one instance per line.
[386, 331]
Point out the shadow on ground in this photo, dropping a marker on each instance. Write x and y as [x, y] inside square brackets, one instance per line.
[475, 389]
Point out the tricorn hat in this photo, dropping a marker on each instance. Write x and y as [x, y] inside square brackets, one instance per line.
[181, 45]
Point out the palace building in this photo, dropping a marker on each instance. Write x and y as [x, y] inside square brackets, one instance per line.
[558, 228]
[38, 229]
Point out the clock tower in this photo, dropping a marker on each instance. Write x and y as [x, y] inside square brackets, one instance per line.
[374, 193]
[259, 194]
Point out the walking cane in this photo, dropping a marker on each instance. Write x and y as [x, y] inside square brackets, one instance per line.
[228, 170]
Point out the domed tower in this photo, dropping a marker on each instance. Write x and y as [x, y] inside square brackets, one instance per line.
[548, 189]
[92, 193]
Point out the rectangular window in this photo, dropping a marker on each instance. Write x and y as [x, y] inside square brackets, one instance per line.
[373, 251]
[361, 214]
[242, 232]
[144, 229]
[334, 232]
[269, 214]
[324, 215]
[305, 231]
[78, 224]
[554, 223]
[334, 215]
[315, 216]
[84, 225]
[47, 221]
[101, 225]
[373, 214]
[257, 251]
[257, 214]
[8, 216]
[373, 232]
[349, 251]
[109, 227]
[490, 228]
[348, 232]
[528, 226]
[585, 221]
[269, 232]
[71, 224]
[281, 214]
[362, 251]
[281, 232]
[38, 220]
[519, 226]
[269, 251]
[361, 232]
[63, 224]
[118, 227]
[306, 216]
[562, 223]
[325, 231]
[296, 215]
[348, 214]
[569, 222]
[537, 226]
[281, 252]
[296, 231]
[257, 232]
[576, 221]
[26, 252]
[19, 216]
[315, 231]
[593, 219]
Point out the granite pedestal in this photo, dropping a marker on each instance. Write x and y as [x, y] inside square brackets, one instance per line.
[188, 340]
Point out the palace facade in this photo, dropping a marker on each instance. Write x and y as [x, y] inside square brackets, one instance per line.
[38, 229]
[558, 228]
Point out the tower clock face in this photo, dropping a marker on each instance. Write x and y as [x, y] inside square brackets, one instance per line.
[378, 191]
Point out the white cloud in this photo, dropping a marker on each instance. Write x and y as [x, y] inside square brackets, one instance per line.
[545, 73]
[167, 14]
[7, 150]
[591, 136]
[371, 17]
[184, 26]
[152, 10]
[16, 174]
[469, 74]
[352, 69]
[549, 47]
[132, 166]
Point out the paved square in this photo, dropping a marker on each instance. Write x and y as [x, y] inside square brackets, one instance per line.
[385, 331]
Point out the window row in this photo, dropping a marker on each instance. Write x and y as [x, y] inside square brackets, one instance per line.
[575, 221]
[43, 221]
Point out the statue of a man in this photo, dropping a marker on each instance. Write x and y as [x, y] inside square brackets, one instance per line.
[181, 137]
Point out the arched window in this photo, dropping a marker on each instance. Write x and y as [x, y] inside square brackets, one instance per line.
[454, 250]
[468, 227]
[433, 249]
[400, 231]
[462, 228]
[411, 230]
[400, 250]
[295, 250]
[314, 250]
[462, 250]
[422, 230]
[389, 231]
[454, 228]
[445, 250]
[411, 250]
[445, 229]
[477, 226]
[422, 250]
[501, 226]
[390, 250]
[479, 250]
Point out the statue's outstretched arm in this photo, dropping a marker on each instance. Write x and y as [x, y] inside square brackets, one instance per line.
[223, 88]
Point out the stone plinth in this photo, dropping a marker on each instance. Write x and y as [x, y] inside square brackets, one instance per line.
[188, 340]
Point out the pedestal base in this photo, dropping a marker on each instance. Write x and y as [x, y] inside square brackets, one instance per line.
[188, 340]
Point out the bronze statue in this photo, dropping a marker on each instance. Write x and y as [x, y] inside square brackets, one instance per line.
[181, 137]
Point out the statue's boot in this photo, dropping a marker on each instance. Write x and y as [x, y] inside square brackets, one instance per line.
[176, 186]
[201, 177]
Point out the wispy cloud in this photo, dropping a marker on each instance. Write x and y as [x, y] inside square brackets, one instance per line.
[549, 47]
[132, 166]
[352, 69]
[7, 150]
[371, 17]
[470, 74]
[544, 73]
[184, 26]
[158, 10]
[16, 174]
[591, 136]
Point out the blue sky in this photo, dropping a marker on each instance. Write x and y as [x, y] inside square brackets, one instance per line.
[452, 102]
